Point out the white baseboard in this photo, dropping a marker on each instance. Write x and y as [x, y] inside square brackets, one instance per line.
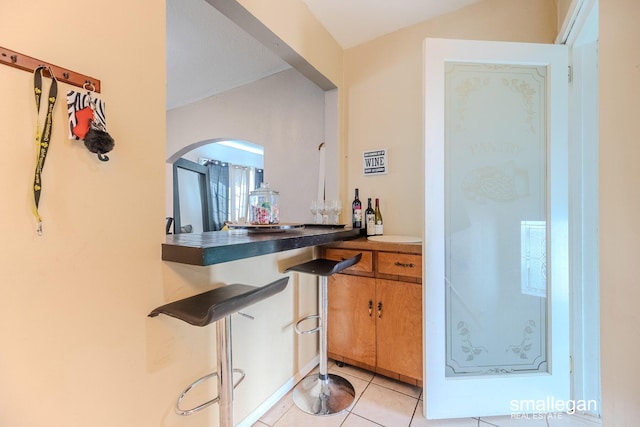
[254, 416]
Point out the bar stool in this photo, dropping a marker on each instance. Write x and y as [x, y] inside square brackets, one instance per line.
[323, 394]
[217, 306]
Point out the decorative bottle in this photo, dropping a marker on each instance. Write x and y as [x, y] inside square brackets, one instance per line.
[356, 210]
[378, 218]
[370, 219]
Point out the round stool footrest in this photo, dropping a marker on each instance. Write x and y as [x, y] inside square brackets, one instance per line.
[185, 412]
[309, 331]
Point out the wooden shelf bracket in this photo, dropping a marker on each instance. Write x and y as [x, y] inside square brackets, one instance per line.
[27, 63]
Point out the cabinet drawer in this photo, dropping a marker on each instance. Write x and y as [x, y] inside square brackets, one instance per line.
[400, 264]
[364, 266]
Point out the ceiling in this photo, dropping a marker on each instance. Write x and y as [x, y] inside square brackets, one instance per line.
[353, 22]
[208, 54]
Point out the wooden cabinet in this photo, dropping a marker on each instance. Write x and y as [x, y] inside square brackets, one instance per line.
[399, 328]
[352, 325]
[375, 309]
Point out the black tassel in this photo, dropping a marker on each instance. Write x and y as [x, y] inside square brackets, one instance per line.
[99, 142]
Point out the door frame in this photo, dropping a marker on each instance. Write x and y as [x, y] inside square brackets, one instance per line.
[580, 33]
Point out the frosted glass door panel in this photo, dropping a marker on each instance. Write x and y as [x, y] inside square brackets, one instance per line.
[495, 219]
[496, 304]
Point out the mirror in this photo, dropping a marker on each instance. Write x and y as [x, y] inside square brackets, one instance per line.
[211, 184]
[191, 197]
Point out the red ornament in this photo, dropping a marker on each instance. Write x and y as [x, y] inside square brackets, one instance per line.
[84, 118]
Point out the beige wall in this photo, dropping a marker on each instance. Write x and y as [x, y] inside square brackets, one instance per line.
[383, 84]
[619, 68]
[78, 348]
[563, 9]
[302, 32]
[73, 304]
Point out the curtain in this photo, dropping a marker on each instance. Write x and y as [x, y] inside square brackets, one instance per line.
[219, 180]
[242, 181]
[230, 187]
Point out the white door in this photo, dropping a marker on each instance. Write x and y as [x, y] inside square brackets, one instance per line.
[496, 229]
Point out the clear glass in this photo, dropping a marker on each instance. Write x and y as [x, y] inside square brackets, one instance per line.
[313, 207]
[264, 207]
[338, 211]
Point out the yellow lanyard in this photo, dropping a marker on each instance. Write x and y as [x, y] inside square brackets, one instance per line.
[43, 137]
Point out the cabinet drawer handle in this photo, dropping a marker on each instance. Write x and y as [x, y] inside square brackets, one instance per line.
[370, 308]
[380, 310]
[400, 264]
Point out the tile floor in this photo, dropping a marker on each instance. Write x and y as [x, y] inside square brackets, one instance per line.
[381, 401]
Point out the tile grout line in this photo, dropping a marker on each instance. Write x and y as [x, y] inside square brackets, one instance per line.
[415, 409]
[355, 401]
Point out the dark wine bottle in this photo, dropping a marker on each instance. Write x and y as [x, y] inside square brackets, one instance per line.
[370, 220]
[378, 218]
[356, 210]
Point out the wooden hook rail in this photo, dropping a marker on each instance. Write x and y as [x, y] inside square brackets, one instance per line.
[27, 63]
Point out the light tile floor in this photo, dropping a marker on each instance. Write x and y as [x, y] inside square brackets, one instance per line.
[381, 401]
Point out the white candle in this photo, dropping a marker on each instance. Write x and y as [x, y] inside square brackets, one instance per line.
[321, 173]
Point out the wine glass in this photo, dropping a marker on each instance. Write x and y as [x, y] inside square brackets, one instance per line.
[331, 210]
[338, 210]
[322, 210]
[314, 210]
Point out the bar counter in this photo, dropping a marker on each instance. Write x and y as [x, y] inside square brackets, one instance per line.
[215, 247]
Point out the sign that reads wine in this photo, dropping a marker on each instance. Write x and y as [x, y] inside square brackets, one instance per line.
[374, 162]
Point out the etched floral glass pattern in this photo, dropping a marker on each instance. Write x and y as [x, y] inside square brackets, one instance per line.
[495, 219]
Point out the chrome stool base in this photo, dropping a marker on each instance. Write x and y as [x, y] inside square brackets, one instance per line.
[323, 393]
[316, 396]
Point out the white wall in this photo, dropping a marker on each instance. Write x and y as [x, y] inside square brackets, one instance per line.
[285, 113]
[215, 151]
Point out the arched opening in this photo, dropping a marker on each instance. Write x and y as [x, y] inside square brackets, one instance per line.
[210, 183]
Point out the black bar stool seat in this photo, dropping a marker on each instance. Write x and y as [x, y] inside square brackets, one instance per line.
[217, 306]
[325, 267]
[324, 393]
[211, 306]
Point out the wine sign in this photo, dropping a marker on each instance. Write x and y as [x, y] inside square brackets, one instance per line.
[374, 162]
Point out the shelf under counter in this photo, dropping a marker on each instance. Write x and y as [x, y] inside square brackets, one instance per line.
[216, 247]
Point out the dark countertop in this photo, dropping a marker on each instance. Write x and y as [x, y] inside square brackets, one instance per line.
[215, 247]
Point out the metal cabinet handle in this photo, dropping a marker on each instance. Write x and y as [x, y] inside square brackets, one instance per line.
[380, 310]
[400, 264]
[370, 308]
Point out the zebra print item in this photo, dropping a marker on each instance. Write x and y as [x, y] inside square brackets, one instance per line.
[77, 101]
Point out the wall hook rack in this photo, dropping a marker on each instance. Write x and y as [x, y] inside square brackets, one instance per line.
[27, 63]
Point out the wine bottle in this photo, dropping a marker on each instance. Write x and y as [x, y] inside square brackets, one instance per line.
[378, 218]
[356, 210]
[370, 219]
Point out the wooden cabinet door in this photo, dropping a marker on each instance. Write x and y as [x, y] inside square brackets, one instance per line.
[351, 329]
[399, 327]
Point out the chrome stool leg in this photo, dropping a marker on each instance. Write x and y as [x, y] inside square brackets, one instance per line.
[324, 393]
[225, 369]
[217, 306]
